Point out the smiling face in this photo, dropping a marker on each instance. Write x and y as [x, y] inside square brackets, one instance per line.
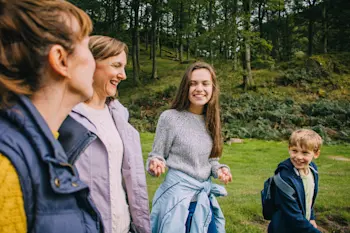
[301, 157]
[200, 91]
[109, 73]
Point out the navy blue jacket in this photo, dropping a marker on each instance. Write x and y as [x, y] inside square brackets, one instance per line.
[55, 199]
[290, 216]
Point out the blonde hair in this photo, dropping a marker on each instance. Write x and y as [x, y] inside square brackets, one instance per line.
[211, 109]
[306, 138]
[28, 28]
[103, 47]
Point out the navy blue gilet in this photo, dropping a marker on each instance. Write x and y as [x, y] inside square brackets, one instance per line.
[55, 199]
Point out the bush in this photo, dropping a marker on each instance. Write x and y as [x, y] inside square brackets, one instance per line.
[272, 118]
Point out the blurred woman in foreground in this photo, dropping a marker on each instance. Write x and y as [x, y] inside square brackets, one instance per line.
[46, 69]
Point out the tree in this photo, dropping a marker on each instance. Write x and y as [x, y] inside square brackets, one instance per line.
[248, 82]
[325, 25]
[155, 17]
[135, 41]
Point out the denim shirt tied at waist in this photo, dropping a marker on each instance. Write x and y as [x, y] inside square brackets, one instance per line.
[173, 197]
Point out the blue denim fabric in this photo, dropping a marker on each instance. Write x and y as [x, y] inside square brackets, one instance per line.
[172, 200]
[191, 209]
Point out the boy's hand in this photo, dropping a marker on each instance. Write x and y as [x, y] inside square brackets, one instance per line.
[224, 175]
[156, 167]
[313, 222]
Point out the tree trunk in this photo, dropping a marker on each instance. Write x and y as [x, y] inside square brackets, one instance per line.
[311, 27]
[325, 26]
[135, 41]
[310, 36]
[147, 34]
[154, 39]
[210, 15]
[159, 33]
[181, 23]
[119, 20]
[234, 32]
[188, 47]
[227, 30]
[197, 32]
[248, 82]
[261, 15]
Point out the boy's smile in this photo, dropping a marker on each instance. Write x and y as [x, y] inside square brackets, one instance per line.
[302, 157]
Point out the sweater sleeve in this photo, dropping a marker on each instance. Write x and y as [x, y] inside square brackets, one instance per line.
[12, 213]
[215, 166]
[162, 141]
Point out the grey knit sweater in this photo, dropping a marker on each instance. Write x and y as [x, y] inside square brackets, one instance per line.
[183, 143]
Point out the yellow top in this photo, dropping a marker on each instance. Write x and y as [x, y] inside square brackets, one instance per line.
[12, 213]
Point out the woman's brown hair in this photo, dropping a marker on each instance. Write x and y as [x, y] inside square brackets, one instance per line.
[211, 109]
[103, 47]
[28, 28]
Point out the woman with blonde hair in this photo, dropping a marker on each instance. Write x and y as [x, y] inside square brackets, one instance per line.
[46, 69]
[188, 141]
[105, 148]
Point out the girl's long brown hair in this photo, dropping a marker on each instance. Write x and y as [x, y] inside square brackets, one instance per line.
[211, 109]
[28, 28]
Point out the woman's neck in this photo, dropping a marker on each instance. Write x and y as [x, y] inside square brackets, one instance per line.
[54, 105]
[96, 101]
[196, 109]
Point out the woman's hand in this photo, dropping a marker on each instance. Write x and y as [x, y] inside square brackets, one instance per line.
[156, 167]
[224, 175]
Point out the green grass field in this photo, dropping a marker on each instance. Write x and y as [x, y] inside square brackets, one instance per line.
[255, 160]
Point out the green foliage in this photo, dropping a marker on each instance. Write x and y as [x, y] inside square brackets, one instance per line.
[259, 63]
[261, 53]
[338, 63]
[254, 116]
[145, 110]
[299, 55]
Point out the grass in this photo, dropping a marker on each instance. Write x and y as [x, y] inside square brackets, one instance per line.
[255, 160]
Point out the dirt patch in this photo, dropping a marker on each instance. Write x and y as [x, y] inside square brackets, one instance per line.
[339, 158]
[334, 224]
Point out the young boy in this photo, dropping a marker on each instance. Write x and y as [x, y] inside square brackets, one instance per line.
[295, 213]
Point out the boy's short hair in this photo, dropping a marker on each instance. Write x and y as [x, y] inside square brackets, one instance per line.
[307, 139]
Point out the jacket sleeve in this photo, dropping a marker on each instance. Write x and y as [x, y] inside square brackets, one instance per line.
[12, 213]
[312, 217]
[163, 140]
[292, 214]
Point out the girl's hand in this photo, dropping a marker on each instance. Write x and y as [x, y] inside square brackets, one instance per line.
[156, 167]
[224, 175]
